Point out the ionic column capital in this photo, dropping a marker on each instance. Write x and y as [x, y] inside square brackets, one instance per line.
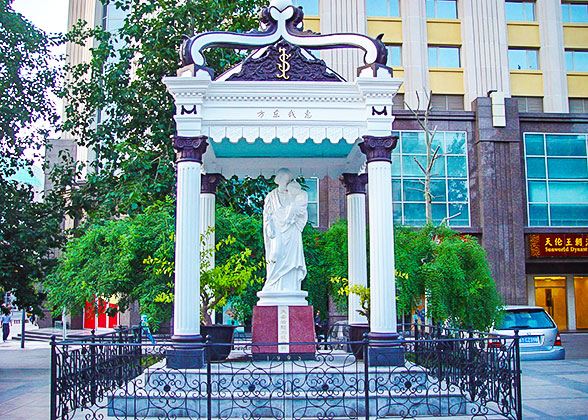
[354, 183]
[209, 183]
[190, 149]
[378, 148]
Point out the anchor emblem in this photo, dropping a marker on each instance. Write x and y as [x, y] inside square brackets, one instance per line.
[283, 65]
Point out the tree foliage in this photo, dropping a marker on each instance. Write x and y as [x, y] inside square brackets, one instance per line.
[118, 106]
[28, 229]
[28, 232]
[108, 260]
[27, 79]
[453, 273]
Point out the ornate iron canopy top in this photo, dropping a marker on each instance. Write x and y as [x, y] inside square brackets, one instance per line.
[282, 21]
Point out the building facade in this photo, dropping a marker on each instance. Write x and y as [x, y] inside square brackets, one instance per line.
[508, 83]
[513, 174]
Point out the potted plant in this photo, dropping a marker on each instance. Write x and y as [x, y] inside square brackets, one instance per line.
[218, 283]
[357, 331]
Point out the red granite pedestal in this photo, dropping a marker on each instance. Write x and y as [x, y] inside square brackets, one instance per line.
[283, 325]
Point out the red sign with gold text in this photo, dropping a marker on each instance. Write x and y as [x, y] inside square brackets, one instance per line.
[559, 245]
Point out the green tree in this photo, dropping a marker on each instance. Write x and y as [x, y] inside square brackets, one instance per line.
[118, 106]
[108, 260]
[28, 233]
[28, 229]
[452, 271]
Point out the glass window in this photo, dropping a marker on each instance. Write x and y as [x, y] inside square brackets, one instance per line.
[444, 57]
[310, 7]
[394, 55]
[441, 9]
[565, 168]
[519, 59]
[574, 12]
[557, 179]
[520, 10]
[571, 146]
[449, 186]
[534, 144]
[382, 8]
[312, 188]
[576, 60]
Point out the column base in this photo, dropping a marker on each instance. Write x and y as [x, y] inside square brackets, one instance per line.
[187, 352]
[386, 349]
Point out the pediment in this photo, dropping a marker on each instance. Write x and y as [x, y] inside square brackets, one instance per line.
[282, 61]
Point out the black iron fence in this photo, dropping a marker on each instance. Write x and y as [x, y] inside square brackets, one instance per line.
[446, 372]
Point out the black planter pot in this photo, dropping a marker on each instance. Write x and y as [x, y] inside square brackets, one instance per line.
[356, 332]
[221, 338]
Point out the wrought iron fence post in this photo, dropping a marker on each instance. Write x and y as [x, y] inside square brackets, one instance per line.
[93, 387]
[366, 372]
[417, 347]
[53, 407]
[207, 360]
[471, 358]
[438, 349]
[517, 378]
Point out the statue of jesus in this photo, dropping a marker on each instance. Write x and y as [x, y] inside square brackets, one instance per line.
[284, 217]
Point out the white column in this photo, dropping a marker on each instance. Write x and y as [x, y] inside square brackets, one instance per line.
[356, 242]
[415, 56]
[187, 269]
[551, 56]
[207, 220]
[382, 277]
[187, 261]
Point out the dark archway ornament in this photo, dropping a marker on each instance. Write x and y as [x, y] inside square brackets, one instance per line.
[282, 21]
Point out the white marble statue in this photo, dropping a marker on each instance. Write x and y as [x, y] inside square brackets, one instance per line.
[284, 217]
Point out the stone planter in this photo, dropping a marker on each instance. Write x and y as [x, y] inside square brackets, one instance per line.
[356, 332]
[221, 336]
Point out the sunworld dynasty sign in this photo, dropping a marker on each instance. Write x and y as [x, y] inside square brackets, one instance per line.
[559, 245]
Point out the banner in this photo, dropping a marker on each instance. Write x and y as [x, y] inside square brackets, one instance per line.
[558, 245]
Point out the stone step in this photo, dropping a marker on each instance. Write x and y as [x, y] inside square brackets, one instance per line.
[274, 405]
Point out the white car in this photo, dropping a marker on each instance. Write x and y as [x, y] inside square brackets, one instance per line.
[539, 336]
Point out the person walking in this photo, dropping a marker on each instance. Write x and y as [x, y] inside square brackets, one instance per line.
[6, 321]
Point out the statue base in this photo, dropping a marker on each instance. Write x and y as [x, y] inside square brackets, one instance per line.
[286, 326]
[282, 298]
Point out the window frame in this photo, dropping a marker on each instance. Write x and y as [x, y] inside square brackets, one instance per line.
[435, 8]
[567, 16]
[389, 9]
[573, 53]
[317, 202]
[527, 51]
[401, 177]
[522, 2]
[437, 48]
[545, 156]
[388, 47]
[318, 10]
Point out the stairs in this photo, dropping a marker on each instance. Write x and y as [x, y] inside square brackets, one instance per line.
[45, 334]
[330, 388]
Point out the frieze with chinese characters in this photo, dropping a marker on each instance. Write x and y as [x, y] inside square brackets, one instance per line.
[284, 113]
[558, 245]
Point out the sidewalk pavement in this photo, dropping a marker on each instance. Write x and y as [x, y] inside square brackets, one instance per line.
[24, 380]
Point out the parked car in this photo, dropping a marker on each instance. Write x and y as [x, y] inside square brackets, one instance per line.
[539, 336]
